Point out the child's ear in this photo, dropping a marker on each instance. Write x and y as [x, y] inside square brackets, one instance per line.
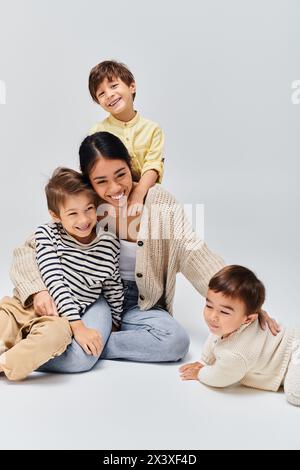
[54, 217]
[251, 318]
[132, 87]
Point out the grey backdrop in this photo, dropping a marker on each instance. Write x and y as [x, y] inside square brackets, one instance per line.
[216, 75]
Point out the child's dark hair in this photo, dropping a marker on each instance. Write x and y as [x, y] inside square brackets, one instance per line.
[111, 70]
[66, 182]
[238, 282]
[105, 145]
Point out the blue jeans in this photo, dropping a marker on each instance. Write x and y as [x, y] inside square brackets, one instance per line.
[145, 336]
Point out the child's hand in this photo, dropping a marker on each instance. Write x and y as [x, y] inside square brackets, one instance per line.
[135, 202]
[43, 304]
[88, 338]
[190, 371]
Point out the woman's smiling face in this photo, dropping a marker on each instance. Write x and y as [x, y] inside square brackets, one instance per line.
[112, 181]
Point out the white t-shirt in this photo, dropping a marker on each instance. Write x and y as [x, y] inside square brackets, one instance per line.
[127, 260]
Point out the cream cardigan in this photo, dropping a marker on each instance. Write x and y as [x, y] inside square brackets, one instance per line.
[251, 356]
[166, 245]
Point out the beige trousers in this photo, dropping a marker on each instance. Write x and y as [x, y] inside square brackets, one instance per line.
[28, 341]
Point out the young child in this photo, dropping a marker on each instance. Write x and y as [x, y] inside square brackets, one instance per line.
[112, 86]
[238, 349]
[77, 265]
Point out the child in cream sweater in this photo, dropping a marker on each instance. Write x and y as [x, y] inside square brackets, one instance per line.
[238, 349]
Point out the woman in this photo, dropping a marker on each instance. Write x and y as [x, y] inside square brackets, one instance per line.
[155, 246]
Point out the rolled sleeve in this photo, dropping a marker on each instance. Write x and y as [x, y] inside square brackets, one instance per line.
[154, 158]
[228, 369]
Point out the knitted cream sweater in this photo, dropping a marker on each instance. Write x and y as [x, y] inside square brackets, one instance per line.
[251, 356]
[166, 245]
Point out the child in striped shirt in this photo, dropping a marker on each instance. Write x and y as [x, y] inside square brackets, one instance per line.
[77, 264]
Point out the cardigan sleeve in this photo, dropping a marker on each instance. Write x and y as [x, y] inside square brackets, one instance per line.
[188, 254]
[228, 369]
[199, 266]
[25, 273]
[207, 355]
[195, 260]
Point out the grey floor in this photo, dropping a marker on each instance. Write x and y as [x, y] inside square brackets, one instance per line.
[237, 152]
[123, 405]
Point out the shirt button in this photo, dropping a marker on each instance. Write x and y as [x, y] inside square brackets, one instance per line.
[139, 275]
[140, 243]
[142, 297]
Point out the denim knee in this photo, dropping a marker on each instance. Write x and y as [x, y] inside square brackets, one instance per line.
[73, 361]
[81, 362]
[180, 343]
[83, 365]
[175, 344]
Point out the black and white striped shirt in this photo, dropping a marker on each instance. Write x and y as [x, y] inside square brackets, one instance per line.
[76, 274]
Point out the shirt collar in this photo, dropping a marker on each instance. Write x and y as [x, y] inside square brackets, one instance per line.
[238, 331]
[123, 125]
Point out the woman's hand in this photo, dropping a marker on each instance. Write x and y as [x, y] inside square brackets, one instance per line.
[43, 304]
[190, 371]
[265, 321]
[89, 339]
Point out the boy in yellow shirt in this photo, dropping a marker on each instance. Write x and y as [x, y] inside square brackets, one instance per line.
[112, 85]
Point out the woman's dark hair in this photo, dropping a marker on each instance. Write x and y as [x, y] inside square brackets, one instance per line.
[105, 145]
[238, 282]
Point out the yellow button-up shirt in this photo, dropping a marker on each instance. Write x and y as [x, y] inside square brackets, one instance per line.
[143, 139]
